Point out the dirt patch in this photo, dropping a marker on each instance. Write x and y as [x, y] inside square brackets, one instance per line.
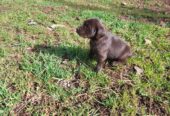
[167, 73]
[101, 109]
[48, 9]
[101, 94]
[31, 100]
[76, 82]
[152, 107]
[12, 87]
[156, 12]
[80, 98]
[120, 75]
[164, 22]
[166, 2]
[155, 5]
[16, 57]
[3, 9]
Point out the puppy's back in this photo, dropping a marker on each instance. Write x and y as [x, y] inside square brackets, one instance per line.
[119, 49]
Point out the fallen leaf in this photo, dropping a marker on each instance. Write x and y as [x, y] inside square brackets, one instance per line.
[65, 61]
[54, 26]
[162, 23]
[30, 49]
[138, 70]
[50, 29]
[32, 22]
[123, 3]
[148, 42]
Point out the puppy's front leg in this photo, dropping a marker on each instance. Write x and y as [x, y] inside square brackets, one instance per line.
[91, 54]
[100, 63]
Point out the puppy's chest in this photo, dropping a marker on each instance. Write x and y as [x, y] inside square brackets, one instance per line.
[97, 46]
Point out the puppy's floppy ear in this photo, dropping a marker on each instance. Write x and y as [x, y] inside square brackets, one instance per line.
[100, 29]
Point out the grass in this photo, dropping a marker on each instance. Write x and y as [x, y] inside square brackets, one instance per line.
[47, 72]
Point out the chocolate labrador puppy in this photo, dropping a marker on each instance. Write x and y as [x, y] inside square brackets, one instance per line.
[103, 45]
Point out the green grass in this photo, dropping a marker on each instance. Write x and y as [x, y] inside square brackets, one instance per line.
[45, 72]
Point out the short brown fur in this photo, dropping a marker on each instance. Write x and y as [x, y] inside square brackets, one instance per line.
[103, 45]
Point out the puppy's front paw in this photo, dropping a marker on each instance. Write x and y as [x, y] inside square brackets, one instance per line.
[97, 69]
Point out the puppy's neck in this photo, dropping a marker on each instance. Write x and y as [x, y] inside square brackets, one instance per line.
[97, 37]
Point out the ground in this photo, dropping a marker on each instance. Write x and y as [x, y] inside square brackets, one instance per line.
[44, 64]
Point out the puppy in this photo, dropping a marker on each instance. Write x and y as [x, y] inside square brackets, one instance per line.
[103, 45]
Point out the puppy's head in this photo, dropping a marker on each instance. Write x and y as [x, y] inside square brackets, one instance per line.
[91, 28]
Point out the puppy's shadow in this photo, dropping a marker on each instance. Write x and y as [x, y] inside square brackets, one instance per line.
[65, 52]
